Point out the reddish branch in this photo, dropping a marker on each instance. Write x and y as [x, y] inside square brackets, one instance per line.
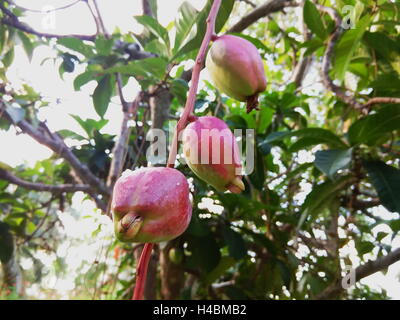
[187, 112]
[191, 99]
[141, 271]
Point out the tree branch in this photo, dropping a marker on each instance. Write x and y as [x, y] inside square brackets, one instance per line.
[13, 21]
[5, 175]
[379, 100]
[326, 63]
[261, 11]
[121, 146]
[55, 143]
[303, 65]
[361, 272]
[147, 8]
[41, 11]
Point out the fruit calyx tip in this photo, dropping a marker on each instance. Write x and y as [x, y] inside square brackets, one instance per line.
[236, 186]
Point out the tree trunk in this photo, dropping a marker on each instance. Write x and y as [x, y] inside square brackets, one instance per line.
[172, 275]
[159, 106]
[12, 274]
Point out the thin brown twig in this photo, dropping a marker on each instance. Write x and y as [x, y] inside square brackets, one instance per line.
[261, 11]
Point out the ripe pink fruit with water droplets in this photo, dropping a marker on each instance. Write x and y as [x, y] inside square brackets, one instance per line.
[151, 205]
[212, 153]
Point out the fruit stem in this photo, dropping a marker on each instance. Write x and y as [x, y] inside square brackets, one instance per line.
[141, 271]
[191, 99]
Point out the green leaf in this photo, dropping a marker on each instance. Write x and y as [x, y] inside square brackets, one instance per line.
[318, 134]
[285, 273]
[224, 264]
[388, 81]
[235, 242]
[223, 15]
[150, 68]
[321, 196]
[313, 20]
[70, 134]
[347, 45]
[179, 88]
[364, 247]
[330, 161]
[82, 79]
[8, 58]
[6, 243]
[370, 129]
[102, 95]
[197, 227]
[27, 44]
[264, 119]
[153, 26]
[385, 46]
[104, 45]
[205, 254]
[76, 45]
[90, 125]
[386, 181]
[187, 17]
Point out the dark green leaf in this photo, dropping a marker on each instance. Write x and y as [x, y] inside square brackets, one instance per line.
[285, 273]
[330, 161]
[235, 242]
[179, 88]
[321, 196]
[102, 95]
[6, 243]
[347, 45]
[224, 264]
[312, 18]
[205, 254]
[386, 181]
[370, 128]
[319, 134]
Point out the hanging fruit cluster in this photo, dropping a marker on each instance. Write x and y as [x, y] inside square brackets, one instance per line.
[152, 204]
